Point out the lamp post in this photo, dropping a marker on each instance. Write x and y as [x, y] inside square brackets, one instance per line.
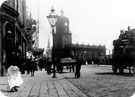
[52, 18]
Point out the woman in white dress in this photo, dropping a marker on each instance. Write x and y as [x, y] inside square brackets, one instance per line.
[14, 78]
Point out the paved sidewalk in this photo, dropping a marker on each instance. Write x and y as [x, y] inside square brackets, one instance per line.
[42, 85]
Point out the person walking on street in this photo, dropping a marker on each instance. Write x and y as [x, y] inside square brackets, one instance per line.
[33, 67]
[41, 64]
[48, 66]
[27, 65]
[78, 68]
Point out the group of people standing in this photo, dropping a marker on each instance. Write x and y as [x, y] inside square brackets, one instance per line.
[29, 65]
[14, 71]
[76, 66]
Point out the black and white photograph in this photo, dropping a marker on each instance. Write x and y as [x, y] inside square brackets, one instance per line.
[67, 48]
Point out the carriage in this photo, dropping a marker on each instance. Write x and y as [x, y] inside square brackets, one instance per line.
[66, 63]
[123, 56]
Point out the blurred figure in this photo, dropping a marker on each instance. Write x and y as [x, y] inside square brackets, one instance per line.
[14, 78]
[23, 63]
[41, 64]
[33, 66]
[48, 65]
[78, 68]
[27, 65]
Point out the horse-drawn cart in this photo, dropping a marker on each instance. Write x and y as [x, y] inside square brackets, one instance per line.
[66, 63]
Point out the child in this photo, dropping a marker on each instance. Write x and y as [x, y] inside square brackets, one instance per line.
[14, 78]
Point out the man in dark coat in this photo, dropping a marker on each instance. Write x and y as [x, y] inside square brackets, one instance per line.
[33, 66]
[41, 64]
[78, 68]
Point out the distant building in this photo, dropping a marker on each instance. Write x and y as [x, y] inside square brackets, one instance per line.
[89, 53]
[63, 46]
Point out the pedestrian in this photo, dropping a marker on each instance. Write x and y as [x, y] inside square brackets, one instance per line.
[41, 64]
[33, 67]
[27, 65]
[14, 78]
[23, 63]
[48, 65]
[78, 68]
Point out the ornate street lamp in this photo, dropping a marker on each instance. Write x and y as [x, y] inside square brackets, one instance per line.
[52, 18]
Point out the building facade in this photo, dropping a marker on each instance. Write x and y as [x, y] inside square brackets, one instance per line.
[12, 33]
[63, 37]
[32, 35]
[63, 46]
[89, 53]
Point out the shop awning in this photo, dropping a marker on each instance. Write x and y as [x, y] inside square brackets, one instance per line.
[37, 51]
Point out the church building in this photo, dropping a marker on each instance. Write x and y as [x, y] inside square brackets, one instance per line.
[63, 46]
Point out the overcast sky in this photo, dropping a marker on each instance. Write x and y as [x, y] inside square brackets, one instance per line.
[91, 21]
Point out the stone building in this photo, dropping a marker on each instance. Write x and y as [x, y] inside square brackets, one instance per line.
[89, 53]
[12, 33]
[33, 37]
[62, 38]
[63, 46]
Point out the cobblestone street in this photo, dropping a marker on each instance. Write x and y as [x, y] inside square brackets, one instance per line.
[99, 81]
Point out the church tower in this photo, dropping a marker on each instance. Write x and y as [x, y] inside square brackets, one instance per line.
[63, 37]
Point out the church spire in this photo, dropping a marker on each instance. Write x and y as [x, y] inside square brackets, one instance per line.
[48, 46]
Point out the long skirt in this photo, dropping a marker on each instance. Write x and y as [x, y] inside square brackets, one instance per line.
[14, 80]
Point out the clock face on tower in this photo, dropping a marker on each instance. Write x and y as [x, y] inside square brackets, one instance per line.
[65, 24]
[66, 27]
